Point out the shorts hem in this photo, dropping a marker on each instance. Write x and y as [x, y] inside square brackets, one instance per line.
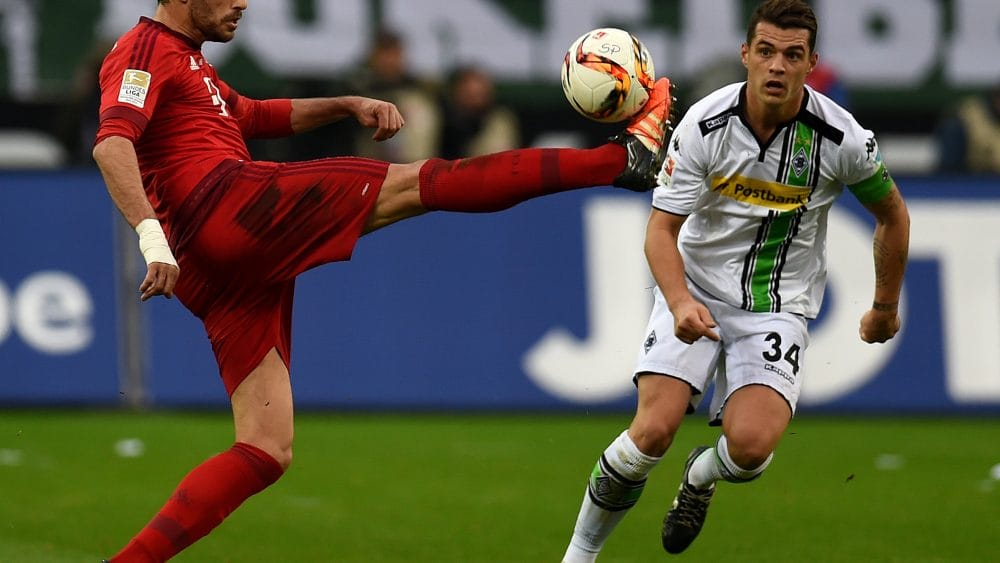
[253, 364]
[665, 371]
[716, 417]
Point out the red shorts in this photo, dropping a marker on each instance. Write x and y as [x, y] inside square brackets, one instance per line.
[243, 237]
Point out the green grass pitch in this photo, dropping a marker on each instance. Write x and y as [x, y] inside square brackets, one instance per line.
[492, 488]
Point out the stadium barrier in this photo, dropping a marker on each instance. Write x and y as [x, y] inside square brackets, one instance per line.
[542, 307]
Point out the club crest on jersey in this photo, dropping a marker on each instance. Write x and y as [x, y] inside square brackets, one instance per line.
[650, 341]
[800, 162]
[135, 87]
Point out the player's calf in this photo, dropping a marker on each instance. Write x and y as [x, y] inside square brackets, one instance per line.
[612, 491]
[614, 487]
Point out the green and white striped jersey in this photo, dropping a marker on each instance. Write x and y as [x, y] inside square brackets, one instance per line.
[755, 236]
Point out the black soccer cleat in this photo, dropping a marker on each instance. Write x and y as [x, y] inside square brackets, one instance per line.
[645, 139]
[687, 514]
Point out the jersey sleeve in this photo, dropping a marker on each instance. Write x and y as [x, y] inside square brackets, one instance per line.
[259, 119]
[682, 178]
[132, 81]
[861, 166]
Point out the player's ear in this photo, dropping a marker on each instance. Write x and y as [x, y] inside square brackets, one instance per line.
[744, 52]
[813, 60]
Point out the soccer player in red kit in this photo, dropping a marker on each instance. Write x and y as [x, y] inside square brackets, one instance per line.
[228, 235]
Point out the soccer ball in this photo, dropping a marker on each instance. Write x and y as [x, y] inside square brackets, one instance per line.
[607, 75]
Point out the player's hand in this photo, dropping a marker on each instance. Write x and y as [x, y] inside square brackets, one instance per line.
[380, 115]
[160, 280]
[692, 320]
[879, 326]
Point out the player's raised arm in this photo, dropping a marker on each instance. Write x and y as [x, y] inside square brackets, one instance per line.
[890, 246]
[384, 117]
[116, 158]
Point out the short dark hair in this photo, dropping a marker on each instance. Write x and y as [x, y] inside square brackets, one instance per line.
[786, 14]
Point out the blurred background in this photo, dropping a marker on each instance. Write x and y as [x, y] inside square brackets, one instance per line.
[539, 308]
[475, 365]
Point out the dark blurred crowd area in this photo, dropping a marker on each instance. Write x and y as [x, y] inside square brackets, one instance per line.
[466, 113]
[453, 116]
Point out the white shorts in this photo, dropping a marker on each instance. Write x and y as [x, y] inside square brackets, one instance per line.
[756, 348]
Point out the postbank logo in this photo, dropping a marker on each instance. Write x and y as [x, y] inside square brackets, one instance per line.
[758, 192]
[135, 86]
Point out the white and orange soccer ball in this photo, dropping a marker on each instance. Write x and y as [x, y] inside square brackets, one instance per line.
[607, 75]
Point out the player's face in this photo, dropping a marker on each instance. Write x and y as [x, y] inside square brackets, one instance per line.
[777, 62]
[217, 20]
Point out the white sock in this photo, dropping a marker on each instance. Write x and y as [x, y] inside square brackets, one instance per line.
[734, 473]
[715, 464]
[705, 470]
[618, 479]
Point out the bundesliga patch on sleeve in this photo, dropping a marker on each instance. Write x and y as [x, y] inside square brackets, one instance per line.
[135, 87]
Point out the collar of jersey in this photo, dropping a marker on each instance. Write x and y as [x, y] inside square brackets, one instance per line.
[163, 27]
[741, 111]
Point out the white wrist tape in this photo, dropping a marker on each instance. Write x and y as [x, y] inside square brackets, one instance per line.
[153, 243]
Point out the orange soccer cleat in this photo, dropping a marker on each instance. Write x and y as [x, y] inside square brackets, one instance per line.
[645, 139]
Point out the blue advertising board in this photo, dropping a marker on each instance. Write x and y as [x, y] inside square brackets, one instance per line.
[57, 289]
[543, 307]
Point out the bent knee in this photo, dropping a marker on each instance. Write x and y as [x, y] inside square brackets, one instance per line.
[399, 197]
[752, 460]
[284, 458]
[653, 437]
[751, 452]
[280, 452]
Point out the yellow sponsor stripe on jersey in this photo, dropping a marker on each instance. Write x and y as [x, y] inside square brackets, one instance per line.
[772, 195]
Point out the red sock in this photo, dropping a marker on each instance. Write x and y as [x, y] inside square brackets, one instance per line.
[201, 501]
[498, 181]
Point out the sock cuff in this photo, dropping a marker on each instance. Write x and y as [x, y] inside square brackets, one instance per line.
[626, 458]
[263, 465]
[427, 183]
[730, 470]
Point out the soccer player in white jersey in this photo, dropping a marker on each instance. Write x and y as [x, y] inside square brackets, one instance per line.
[736, 243]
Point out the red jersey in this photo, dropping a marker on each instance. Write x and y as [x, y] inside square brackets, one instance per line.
[241, 231]
[158, 91]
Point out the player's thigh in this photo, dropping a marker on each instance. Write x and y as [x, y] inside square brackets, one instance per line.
[399, 197]
[277, 220]
[671, 377]
[663, 402]
[754, 421]
[263, 413]
[763, 379]
[766, 349]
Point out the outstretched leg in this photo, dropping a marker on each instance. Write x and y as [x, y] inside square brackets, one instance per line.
[262, 411]
[498, 181]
